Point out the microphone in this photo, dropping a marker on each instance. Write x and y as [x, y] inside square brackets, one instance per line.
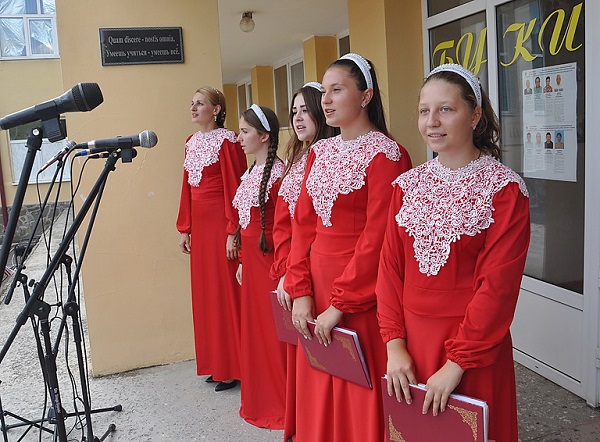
[83, 97]
[146, 139]
[59, 156]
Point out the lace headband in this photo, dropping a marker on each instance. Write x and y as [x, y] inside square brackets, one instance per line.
[362, 64]
[464, 73]
[261, 116]
[314, 84]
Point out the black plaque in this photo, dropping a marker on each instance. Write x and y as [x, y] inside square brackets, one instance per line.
[141, 46]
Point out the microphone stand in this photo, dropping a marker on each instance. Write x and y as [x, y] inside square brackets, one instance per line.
[34, 142]
[35, 305]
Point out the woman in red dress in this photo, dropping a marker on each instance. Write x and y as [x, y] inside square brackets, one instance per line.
[263, 355]
[453, 258]
[213, 166]
[339, 225]
[308, 122]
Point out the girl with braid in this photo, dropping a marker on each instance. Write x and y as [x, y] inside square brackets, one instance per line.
[207, 222]
[262, 354]
[308, 122]
[339, 225]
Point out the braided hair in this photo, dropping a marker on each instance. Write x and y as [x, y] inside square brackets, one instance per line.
[216, 97]
[253, 121]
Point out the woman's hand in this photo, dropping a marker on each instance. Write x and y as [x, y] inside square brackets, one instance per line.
[303, 310]
[325, 322]
[231, 247]
[184, 243]
[400, 370]
[238, 274]
[440, 385]
[284, 299]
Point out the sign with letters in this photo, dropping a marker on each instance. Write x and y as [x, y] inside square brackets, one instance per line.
[120, 46]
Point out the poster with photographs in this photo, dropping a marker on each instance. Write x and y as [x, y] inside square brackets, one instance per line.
[549, 122]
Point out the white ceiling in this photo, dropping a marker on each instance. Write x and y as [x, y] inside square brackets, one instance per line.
[281, 28]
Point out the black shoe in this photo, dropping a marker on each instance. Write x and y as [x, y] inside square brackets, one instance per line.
[222, 386]
[210, 380]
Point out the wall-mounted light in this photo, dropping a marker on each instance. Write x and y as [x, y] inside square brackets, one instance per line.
[247, 23]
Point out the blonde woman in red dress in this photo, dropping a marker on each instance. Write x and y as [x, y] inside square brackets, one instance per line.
[263, 355]
[453, 258]
[308, 123]
[213, 166]
[332, 268]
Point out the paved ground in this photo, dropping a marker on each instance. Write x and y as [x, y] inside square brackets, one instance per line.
[169, 403]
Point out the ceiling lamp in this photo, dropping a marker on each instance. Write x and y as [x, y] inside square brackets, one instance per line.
[247, 23]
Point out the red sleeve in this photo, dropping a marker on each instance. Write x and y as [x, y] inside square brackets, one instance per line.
[390, 277]
[282, 238]
[232, 161]
[184, 217]
[297, 279]
[497, 281]
[354, 290]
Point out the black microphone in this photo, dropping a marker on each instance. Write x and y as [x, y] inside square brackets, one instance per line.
[59, 156]
[146, 139]
[83, 97]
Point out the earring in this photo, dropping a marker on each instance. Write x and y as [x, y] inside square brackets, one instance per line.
[362, 105]
[215, 118]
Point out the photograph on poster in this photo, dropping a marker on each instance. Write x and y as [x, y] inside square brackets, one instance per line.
[549, 123]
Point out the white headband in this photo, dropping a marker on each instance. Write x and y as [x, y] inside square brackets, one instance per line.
[464, 73]
[362, 64]
[261, 116]
[314, 84]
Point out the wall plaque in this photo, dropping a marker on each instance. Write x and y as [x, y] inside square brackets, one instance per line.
[141, 46]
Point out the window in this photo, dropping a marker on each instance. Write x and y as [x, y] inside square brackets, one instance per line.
[437, 6]
[344, 45]
[18, 152]
[28, 29]
[542, 111]
[288, 78]
[244, 97]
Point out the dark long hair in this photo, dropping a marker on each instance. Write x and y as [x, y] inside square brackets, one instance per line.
[252, 119]
[486, 135]
[296, 148]
[375, 106]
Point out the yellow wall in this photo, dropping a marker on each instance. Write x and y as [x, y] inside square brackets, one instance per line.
[378, 31]
[231, 96]
[136, 281]
[319, 53]
[26, 83]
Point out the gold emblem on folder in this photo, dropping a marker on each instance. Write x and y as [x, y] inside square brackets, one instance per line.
[468, 417]
[346, 344]
[395, 435]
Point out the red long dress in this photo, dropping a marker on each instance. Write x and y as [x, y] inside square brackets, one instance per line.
[338, 231]
[263, 354]
[282, 239]
[213, 167]
[449, 277]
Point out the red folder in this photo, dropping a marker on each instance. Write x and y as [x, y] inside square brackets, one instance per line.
[465, 419]
[342, 358]
[286, 331]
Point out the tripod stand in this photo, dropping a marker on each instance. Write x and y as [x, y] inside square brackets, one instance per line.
[36, 306]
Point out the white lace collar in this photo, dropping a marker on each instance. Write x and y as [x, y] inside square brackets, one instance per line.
[292, 183]
[202, 150]
[340, 168]
[440, 205]
[246, 195]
